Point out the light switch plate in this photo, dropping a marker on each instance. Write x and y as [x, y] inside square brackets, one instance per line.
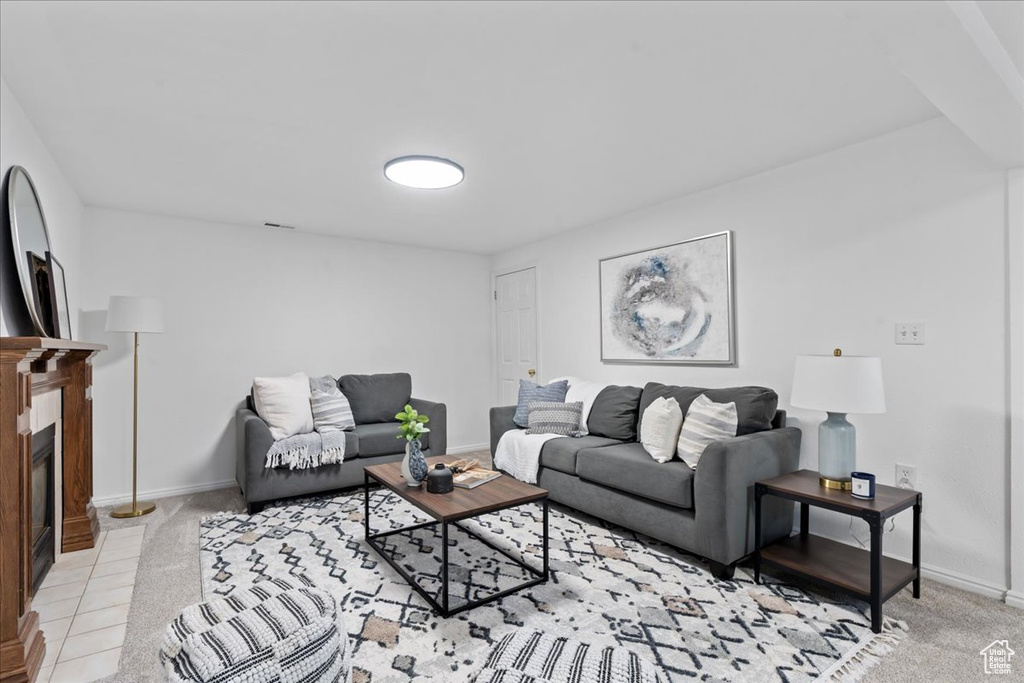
[910, 333]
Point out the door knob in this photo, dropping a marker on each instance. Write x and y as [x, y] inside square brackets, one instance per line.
[531, 372]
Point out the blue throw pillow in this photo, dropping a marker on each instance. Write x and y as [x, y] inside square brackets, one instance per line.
[530, 392]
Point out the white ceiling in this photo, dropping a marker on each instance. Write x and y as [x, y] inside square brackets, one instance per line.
[561, 113]
[1007, 22]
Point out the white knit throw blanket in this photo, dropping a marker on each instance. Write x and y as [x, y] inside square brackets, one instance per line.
[518, 454]
[298, 452]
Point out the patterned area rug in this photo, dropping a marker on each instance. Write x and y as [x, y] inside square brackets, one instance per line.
[608, 586]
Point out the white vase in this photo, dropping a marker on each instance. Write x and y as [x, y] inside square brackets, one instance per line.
[413, 464]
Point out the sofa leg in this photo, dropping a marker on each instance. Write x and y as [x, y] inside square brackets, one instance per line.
[255, 508]
[722, 572]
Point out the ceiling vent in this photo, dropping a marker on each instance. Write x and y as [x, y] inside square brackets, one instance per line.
[279, 226]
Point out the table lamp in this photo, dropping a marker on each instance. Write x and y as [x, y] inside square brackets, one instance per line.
[134, 314]
[838, 385]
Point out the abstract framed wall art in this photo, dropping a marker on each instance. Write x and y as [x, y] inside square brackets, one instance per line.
[672, 304]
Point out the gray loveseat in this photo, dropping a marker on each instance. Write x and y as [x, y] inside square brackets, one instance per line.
[375, 399]
[708, 512]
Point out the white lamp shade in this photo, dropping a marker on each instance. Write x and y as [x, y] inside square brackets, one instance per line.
[839, 384]
[135, 314]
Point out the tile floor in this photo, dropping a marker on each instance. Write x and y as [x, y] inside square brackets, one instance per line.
[83, 607]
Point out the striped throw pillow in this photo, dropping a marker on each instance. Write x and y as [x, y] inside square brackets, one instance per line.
[546, 417]
[705, 421]
[331, 410]
[529, 392]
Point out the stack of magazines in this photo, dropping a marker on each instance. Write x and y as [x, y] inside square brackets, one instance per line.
[468, 474]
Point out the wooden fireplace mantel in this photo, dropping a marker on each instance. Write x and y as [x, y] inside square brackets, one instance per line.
[31, 366]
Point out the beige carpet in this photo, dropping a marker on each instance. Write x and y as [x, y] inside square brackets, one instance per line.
[948, 627]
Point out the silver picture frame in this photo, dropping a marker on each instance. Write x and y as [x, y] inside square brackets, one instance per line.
[669, 305]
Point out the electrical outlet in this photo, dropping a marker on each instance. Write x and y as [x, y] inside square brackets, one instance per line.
[910, 333]
[906, 476]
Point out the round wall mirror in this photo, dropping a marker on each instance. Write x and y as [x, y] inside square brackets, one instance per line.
[31, 243]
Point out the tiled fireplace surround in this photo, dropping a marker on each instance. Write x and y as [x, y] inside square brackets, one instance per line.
[83, 601]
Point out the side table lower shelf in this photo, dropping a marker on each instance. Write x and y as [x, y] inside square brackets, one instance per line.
[867, 574]
[837, 564]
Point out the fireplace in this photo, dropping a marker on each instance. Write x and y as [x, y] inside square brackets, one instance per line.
[42, 535]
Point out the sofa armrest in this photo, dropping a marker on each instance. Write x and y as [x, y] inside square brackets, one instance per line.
[501, 422]
[437, 440]
[723, 489]
[253, 442]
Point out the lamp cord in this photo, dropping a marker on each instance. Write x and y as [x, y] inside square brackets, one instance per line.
[892, 527]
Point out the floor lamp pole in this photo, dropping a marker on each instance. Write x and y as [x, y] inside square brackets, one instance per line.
[136, 509]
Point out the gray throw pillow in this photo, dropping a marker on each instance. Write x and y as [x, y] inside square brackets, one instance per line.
[376, 398]
[615, 413]
[331, 410]
[546, 417]
[529, 392]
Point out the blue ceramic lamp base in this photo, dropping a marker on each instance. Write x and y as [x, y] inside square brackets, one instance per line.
[837, 452]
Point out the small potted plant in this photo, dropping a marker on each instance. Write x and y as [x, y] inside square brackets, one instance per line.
[414, 465]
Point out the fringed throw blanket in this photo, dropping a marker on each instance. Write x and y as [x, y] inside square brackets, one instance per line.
[326, 444]
[298, 452]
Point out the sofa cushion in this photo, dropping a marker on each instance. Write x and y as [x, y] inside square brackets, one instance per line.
[376, 398]
[351, 445]
[380, 439]
[614, 413]
[628, 467]
[755, 406]
[560, 454]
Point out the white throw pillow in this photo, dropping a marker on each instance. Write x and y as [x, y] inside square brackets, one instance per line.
[283, 403]
[585, 392]
[659, 428]
[706, 421]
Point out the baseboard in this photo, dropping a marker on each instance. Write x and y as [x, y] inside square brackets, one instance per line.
[164, 493]
[455, 450]
[951, 578]
[967, 583]
[1015, 599]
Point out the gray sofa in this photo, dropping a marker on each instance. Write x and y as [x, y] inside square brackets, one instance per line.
[375, 399]
[708, 512]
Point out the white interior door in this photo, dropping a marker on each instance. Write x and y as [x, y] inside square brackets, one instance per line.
[515, 297]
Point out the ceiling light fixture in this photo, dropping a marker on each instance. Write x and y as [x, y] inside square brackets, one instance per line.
[424, 172]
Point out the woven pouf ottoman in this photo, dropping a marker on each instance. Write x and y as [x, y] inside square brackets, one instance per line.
[535, 657]
[274, 631]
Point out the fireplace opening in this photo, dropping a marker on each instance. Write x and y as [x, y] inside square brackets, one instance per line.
[42, 504]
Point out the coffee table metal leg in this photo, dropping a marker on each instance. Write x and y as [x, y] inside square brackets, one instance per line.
[545, 540]
[758, 494]
[444, 568]
[366, 505]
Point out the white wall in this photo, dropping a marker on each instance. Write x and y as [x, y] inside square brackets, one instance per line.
[829, 252]
[62, 208]
[241, 302]
[1015, 282]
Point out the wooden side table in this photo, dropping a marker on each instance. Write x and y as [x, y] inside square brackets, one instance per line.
[869, 575]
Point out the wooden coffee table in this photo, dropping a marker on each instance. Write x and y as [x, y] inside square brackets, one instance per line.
[449, 509]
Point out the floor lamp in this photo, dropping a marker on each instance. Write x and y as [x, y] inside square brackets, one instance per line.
[134, 314]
